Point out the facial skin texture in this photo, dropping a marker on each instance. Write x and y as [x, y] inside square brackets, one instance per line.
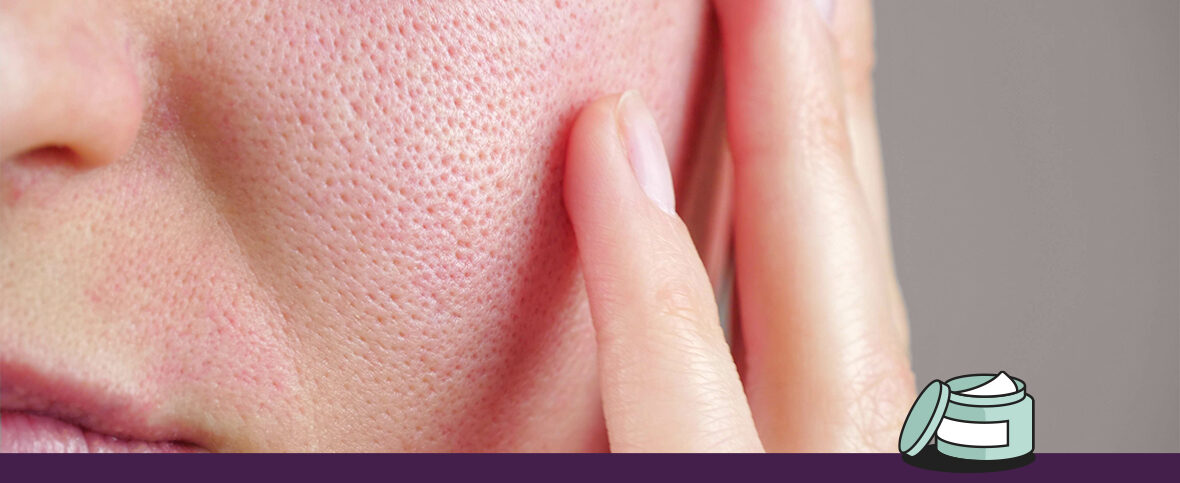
[333, 225]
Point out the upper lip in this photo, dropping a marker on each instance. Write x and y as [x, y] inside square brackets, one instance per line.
[96, 407]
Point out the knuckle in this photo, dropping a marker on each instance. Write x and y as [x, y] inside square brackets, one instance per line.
[680, 305]
[824, 128]
[857, 65]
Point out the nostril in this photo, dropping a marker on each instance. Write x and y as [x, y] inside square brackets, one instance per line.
[36, 174]
[48, 154]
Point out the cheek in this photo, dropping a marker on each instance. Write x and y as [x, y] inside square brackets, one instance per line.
[393, 177]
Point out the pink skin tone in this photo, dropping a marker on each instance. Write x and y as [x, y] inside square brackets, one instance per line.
[321, 226]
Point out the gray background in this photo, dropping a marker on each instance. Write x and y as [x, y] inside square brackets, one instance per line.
[1033, 165]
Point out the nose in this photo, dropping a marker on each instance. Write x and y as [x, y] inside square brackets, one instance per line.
[67, 81]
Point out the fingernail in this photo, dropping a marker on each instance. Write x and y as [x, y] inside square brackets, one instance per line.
[825, 8]
[645, 150]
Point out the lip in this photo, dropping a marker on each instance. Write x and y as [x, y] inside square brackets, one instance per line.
[57, 413]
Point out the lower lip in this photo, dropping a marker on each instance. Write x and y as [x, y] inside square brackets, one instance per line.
[22, 432]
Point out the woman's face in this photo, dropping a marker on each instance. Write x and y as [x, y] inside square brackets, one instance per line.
[312, 225]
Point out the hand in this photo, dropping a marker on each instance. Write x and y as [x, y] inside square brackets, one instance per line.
[822, 328]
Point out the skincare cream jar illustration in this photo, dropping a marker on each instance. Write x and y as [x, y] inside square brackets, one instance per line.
[975, 417]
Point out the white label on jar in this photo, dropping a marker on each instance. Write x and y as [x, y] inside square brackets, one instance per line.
[980, 435]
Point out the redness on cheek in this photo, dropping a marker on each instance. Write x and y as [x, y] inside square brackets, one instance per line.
[197, 313]
[163, 116]
[13, 186]
[220, 337]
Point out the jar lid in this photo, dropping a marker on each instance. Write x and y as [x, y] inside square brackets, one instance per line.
[924, 417]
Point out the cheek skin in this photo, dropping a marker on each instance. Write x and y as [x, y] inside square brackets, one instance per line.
[360, 242]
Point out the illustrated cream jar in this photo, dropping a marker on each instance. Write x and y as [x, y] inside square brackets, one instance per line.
[976, 417]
